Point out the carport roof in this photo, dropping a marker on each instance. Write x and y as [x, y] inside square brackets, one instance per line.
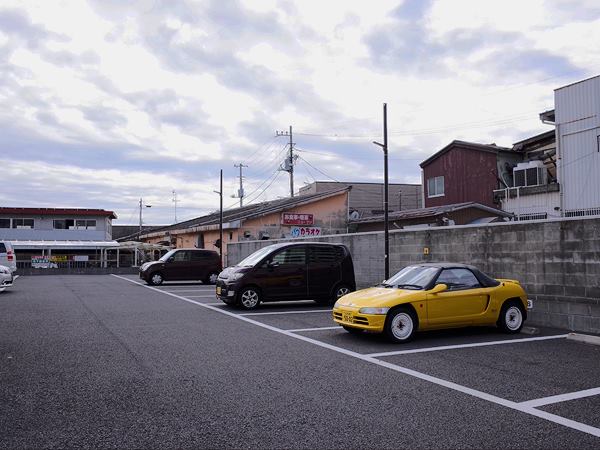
[63, 245]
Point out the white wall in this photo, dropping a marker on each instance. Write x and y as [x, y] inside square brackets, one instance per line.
[577, 109]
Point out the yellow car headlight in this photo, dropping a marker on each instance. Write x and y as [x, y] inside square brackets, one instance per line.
[373, 310]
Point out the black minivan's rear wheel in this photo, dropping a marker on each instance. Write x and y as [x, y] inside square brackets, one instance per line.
[249, 298]
[340, 291]
[211, 278]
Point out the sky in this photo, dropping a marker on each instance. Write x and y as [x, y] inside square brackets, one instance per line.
[104, 102]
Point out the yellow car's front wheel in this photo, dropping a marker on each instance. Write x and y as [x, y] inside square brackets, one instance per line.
[401, 324]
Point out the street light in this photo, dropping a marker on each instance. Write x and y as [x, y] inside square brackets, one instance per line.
[386, 227]
[141, 207]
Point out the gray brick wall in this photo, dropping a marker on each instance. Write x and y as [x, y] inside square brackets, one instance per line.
[557, 261]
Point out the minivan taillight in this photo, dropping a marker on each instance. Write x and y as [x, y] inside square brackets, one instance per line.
[9, 255]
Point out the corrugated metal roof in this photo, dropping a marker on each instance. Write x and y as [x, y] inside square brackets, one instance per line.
[73, 245]
[431, 212]
[250, 211]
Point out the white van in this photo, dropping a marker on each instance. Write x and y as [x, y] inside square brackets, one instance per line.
[7, 256]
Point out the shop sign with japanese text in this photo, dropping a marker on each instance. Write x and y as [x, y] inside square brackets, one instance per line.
[305, 231]
[297, 219]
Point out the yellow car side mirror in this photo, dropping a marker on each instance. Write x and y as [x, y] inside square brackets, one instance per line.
[438, 288]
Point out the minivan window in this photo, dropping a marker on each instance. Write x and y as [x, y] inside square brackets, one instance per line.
[291, 255]
[181, 256]
[167, 255]
[325, 254]
[2, 247]
[200, 256]
[255, 257]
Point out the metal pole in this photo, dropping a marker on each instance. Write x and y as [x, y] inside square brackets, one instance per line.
[291, 164]
[140, 230]
[386, 194]
[221, 218]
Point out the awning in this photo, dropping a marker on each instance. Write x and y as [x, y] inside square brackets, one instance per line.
[64, 245]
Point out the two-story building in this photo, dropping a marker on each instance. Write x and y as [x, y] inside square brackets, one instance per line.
[56, 235]
[464, 172]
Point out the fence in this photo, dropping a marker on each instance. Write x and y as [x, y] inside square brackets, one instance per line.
[556, 260]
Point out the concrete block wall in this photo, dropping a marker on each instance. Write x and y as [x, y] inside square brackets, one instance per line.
[557, 261]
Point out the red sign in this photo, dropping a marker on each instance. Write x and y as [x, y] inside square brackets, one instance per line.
[297, 219]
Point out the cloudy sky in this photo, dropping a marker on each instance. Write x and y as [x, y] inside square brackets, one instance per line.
[107, 101]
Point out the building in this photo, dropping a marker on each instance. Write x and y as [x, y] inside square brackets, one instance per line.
[56, 235]
[435, 216]
[531, 189]
[577, 121]
[558, 173]
[366, 199]
[304, 215]
[465, 172]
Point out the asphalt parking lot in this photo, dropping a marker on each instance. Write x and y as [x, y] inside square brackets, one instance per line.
[106, 361]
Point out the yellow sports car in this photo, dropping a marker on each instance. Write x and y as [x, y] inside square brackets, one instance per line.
[433, 296]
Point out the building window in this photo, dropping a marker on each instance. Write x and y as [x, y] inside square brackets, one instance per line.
[435, 187]
[4, 223]
[85, 224]
[22, 223]
[72, 224]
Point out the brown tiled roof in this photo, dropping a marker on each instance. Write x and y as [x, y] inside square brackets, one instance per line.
[57, 212]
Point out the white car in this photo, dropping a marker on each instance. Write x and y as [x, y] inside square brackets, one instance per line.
[6, 278]
[7, 256]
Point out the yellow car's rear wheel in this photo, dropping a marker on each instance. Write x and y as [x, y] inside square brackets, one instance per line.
[401, 324]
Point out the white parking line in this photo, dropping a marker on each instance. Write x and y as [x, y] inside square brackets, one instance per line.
[561, 398]
[285, 312]
[422, 376]
[452, 347]
[186, 290]
[197, 296]
[314, 329]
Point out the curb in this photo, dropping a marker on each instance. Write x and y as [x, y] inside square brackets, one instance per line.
[588, 339]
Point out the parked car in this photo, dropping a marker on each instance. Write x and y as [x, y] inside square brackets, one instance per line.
[6, 278]
[7, 256]
[183, 264]
[433, 296]
[289, 271]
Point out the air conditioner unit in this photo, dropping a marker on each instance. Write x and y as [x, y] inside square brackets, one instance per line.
[532, 173]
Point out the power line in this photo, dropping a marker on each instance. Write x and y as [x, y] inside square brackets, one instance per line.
[427, 131]
[267, 187]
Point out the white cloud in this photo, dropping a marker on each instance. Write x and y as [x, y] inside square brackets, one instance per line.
[176, 90]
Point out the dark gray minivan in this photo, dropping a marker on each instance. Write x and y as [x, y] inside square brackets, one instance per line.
[290, 271]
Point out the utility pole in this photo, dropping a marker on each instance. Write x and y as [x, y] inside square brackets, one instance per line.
[220, 192]
[386, 225]
[141, 207]
[175, 201]
[241, 193]
[288, 165]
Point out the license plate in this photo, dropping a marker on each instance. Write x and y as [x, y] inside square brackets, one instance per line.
[529, 304]
[347, 317]
[218, 290]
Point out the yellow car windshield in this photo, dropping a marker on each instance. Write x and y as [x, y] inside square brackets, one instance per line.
[412, 277]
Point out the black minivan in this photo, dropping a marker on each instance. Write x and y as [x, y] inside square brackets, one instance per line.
[290, 271]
